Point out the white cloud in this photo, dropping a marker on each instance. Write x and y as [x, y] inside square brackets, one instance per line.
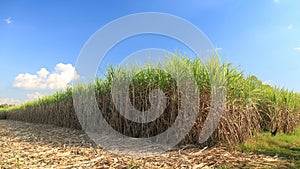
[34, 96]
[9, 101]
[217, 49]
[290, 27]
[43, 73]
[63, 74]
[8, 20]
[30, 97]
[297, 49]
[267, 82]
[276, 1]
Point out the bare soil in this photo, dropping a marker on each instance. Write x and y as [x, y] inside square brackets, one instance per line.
[27, 145]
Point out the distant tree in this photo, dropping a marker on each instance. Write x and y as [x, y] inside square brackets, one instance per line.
[3, 105]
[6, 105]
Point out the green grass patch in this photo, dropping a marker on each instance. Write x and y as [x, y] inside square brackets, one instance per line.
[286, 146]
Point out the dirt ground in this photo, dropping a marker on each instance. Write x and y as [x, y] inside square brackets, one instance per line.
[27, 145]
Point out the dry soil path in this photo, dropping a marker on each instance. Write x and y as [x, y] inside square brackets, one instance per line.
[27, 145]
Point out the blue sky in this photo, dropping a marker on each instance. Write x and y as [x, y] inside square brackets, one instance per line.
[262, 37]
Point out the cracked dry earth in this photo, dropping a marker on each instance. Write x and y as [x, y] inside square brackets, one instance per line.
[27, 145]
